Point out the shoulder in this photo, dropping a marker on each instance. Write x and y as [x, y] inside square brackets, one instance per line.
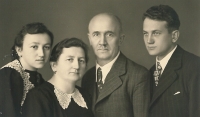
[90, 74]
[190, 57]
[135, 72]
[43, 90]
[135, 67]
[91, 70]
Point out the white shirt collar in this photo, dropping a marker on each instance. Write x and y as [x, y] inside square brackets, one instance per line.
[64, 99]
[106, 68]
[165, 60]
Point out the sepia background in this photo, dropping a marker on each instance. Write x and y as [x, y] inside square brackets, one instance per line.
[70, 18]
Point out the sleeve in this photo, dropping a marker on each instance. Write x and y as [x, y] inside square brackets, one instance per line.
[11, 91]
[141, 94]
[37, 105]
[194, 91]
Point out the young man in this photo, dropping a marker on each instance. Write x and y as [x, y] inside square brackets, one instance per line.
[119, 87]
[175, 85]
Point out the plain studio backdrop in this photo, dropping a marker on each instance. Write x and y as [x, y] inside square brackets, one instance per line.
[70, 18]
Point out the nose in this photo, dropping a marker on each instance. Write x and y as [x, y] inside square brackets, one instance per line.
[150, 39]
[76, 64]
[103, 41]
[40, 52]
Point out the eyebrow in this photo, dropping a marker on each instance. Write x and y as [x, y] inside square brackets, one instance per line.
[109, 32]
[95, 32]
[39, 43]
[73, 56]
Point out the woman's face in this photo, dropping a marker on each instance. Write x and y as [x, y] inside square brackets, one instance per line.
[71, 64]
[35, 51]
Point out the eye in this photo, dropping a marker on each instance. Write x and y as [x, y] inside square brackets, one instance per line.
[156, 33]
[145, 33]
[95, 34]
[34, 46]
[70, 59]
[81, 61]
[47, 47]
[109, 34]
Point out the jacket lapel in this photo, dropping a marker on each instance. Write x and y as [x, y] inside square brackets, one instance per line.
[169, 75]
[113, 80]
[93, 90]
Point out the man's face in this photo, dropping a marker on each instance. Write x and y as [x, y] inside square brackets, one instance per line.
[104, 37]
[157, 39]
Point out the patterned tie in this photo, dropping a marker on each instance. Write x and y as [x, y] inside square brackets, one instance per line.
[157, 73]
[99, 79]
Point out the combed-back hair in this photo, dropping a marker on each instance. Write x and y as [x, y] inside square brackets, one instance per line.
[163, 13]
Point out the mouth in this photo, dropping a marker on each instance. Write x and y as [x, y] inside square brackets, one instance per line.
[40, 60]
[151, 47]
[103, 50]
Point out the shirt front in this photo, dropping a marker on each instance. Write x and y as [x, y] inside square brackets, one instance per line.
[165, 60]
[106, 68]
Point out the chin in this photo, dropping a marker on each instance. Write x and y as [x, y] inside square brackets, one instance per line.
[152, 53]
[39, 66]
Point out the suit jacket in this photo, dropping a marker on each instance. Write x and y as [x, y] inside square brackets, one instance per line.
[125, 92]
[178, 90]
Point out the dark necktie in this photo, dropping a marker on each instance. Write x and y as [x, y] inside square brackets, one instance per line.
[157, 73]
[99, 79]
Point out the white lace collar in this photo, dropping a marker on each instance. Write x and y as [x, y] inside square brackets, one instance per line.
[15, 64]
[64, 99]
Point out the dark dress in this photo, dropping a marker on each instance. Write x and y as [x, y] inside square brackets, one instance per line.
[15, 82]
[42, 102]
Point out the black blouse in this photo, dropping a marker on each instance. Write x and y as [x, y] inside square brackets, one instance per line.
[42, 102]
[15, 82]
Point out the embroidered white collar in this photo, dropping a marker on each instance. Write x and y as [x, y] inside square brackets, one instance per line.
[15, 64]
[64, 99]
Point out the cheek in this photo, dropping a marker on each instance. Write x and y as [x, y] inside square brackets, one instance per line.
[47, 52]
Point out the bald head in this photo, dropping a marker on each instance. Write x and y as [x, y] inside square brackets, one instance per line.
[106, 17]
[105, 36]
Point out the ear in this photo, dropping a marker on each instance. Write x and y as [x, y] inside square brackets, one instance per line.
[53, 66]
[121, 39]
[175, 35]
[18, 50]
[89, 38]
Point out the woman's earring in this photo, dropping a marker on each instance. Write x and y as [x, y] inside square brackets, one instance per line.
[54, 72]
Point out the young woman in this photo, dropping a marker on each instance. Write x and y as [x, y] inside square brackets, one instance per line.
[60, 97]
[30, 52]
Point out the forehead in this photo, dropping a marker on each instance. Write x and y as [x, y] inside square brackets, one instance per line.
[103, 23]
[73, 51]
[37, 38]
[150, 24]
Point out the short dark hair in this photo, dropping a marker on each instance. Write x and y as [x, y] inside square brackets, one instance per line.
[31, 28]
[67, 43]
[164, 13]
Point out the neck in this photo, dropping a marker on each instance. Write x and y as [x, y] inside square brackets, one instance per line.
[24, 65]
[160, 57]
[62, 84]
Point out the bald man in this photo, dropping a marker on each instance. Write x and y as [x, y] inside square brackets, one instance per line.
[118, 86]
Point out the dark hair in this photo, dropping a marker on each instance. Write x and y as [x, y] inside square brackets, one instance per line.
[32, 28]
[67, 43]
[164, 13]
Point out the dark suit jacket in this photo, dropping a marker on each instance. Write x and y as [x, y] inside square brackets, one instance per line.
[178, 90]
[125, 92]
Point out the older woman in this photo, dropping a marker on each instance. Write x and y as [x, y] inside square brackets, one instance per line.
[31, 50]
[60, 97]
